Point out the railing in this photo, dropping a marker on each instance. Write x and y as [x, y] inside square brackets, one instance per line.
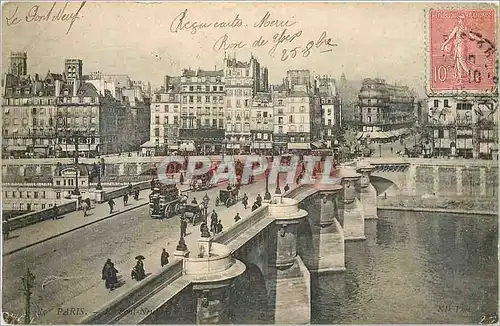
[137, 295]
[105, 196]
[237, 229]
[41, 215]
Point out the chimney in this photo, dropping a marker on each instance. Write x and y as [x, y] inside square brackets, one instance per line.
[58, 87]
[76, 86]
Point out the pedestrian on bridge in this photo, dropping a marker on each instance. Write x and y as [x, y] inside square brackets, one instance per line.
[125, 199]
[109, 275]
[213, 222]
[287, 187]
[244, 200]
[258, 200]
[5, 229]
[183, 227]
[164, 257]
[85, 207]
[111, 204]
[237, 217]
[219, 227]
[55, 212]
[254, 206]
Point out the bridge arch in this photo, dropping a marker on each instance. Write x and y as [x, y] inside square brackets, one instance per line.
[382, 184]
[250, 300]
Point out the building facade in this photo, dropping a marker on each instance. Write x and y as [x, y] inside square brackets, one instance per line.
[386, 111]
[330, 110]
[463, 125]
[165, 116]
[52, 116]
[262, 123]
[202, 110]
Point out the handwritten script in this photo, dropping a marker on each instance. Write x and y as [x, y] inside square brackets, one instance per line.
[50, 13]
[288, 42]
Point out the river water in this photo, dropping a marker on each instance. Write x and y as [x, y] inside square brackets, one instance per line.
[414, 268]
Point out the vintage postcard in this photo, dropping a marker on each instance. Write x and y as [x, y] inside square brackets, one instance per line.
[249, 163]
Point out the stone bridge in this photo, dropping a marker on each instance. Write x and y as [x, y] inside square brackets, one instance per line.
[442, 178]
[270, 253]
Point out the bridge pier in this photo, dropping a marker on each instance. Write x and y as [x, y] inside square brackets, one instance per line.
[212, 274]
[328, 247]
[288, 279]
[367, 194]
[354, 221]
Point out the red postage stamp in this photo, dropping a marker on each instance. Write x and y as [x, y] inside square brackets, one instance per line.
[462, 49]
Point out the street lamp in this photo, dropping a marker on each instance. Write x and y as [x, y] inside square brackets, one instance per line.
[224, 144]
[205, 206]
[267, 195]
[28, 283]
[278, 190]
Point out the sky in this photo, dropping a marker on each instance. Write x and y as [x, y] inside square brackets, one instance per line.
[144, 40]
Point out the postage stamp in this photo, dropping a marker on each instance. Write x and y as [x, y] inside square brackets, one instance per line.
[462, 49]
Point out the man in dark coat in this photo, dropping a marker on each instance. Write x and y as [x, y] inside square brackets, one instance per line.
[254, 206]
[183, 227]
[219, 227]
[164, 257]
[244, 200]
[125, 199]
[258, 200]
[5, 229]
[109, 275]
[237, 217]
[194, 201]
[55, 212]
[287, 187]
[111, 203]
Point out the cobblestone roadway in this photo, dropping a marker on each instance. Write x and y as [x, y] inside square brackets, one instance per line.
[76, 259]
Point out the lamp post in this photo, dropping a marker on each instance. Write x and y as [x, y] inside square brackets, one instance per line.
[224, 143]
[205, 206]
[28, 283]
[278, 189]
[267, 195]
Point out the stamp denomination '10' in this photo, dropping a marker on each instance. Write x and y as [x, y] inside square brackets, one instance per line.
[462, 50]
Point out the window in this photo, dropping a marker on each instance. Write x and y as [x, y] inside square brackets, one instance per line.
[58, 195]
[238, 103]
[280, 120]
[329, 122]
[191, 99]
[28, 194]
[301, 128]
[6, 194]
[436, 103]
[43, 194]
[214, 88]
[166, 120]
[290, 119]
[58, 182]
[221, 88]
[43, 206]
[280, 102]
[214, 123]
[157, 120]
[302, 108]
[446, 104]
[207, 122]
[207, 99]
[229, 127]
[464, 106]
[157, 132]
[20, 194]
[280, 129]
[266, 136]
[184, 99]
[13, 194]
[198, 99]
[292, 139]
[292, 109]
[264, 114]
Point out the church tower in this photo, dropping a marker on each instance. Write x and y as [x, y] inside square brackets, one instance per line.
[19, 63]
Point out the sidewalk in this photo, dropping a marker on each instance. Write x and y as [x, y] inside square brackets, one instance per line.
[97, 296]
[48, 229]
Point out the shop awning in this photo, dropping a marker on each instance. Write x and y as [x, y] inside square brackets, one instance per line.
[148, 144]
[299, 146]
[17, 148]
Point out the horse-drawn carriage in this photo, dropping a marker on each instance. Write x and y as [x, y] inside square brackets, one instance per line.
[164, 201]
[192, 212]
[227, 197]
[202, 182]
